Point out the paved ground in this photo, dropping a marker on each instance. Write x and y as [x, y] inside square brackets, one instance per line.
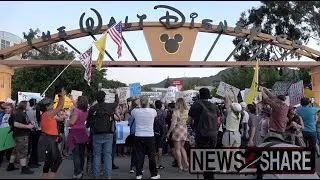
[66, 171]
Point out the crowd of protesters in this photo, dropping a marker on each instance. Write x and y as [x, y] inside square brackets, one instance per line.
[46, 134]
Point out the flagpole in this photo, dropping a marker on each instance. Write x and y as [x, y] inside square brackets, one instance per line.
[57, 77]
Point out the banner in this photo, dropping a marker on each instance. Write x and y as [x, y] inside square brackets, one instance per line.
[110, 95]
[26, 96]
[123, 131]
[153, 96]
[296, 92]
[254, 86]
[281, 88]
[170, 94]
[224, 87]
[67, 102]
[6, 139]
[308, 93]
[75, 94]
[124, 94]
[135, 89]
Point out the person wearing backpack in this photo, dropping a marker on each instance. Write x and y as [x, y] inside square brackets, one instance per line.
[204, 119]
[159, 131]
[101, 122]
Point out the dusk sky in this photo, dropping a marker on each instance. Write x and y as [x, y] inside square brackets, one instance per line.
[18, 17]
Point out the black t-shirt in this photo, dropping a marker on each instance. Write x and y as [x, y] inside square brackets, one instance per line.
[196, 110]
[20, 117]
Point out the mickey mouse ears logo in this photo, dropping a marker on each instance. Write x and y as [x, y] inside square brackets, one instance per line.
[171, 46]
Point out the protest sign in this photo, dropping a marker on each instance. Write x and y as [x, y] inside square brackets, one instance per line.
[153, 96]
[281, 88]
[186, 95]
[123, 131]
[6, 139]
[230, 90]
[26, 96]
[135, 89]
[296, 92]
[216, 100]
[124, 94]
[170, 94]
[110, 95]
[75, 94]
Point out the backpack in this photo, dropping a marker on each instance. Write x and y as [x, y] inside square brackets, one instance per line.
[207, 125]
[157, 127]
[102, 120]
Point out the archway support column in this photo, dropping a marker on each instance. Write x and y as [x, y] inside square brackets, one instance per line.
[6, 73]
[315, 80]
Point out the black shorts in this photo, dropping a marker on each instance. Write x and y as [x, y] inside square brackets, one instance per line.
[159, 142]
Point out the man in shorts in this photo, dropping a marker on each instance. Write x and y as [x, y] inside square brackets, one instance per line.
[21, 132]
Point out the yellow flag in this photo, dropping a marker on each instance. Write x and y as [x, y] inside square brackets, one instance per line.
[101, 46]
[254, 86]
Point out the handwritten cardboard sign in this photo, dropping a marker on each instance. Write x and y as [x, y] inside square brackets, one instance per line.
[110, 95]
[296, 92]
[153, 96]
[135, 89]
[281, 88]
[124, 94]
[230, 90]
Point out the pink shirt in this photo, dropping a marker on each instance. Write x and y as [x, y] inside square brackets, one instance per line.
[81, 118]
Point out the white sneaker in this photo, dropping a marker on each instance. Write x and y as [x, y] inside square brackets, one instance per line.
[139, 177]
[156, 177]
[131, 171]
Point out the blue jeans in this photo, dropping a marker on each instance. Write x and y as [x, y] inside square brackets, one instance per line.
[102, 144]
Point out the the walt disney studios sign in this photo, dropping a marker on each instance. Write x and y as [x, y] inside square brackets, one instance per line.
[169, 21]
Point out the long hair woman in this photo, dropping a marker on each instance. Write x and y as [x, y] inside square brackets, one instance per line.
[48, 142]
[78, 136]
[179, 131]
[295, 127]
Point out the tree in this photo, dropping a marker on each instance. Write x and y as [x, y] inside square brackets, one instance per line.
[167, 84]
[37, 79]
[298, 20]
[146, 88]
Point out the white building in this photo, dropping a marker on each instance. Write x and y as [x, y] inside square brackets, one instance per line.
[7, 40]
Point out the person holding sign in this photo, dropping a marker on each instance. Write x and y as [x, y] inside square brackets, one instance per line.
[232, 137]
[49, 139]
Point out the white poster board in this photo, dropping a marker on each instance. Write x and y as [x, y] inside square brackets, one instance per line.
[110, 95]
[230, 90]
[26, 96]
[75, 94]
[123, 131]
[296, 92]
[124, 94]
[153, 96]
[186, 95]
[170, 94]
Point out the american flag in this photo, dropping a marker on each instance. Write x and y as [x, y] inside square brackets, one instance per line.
[86, 61]
[115, 33]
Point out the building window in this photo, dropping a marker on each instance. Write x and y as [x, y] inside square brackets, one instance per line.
[5, 44]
